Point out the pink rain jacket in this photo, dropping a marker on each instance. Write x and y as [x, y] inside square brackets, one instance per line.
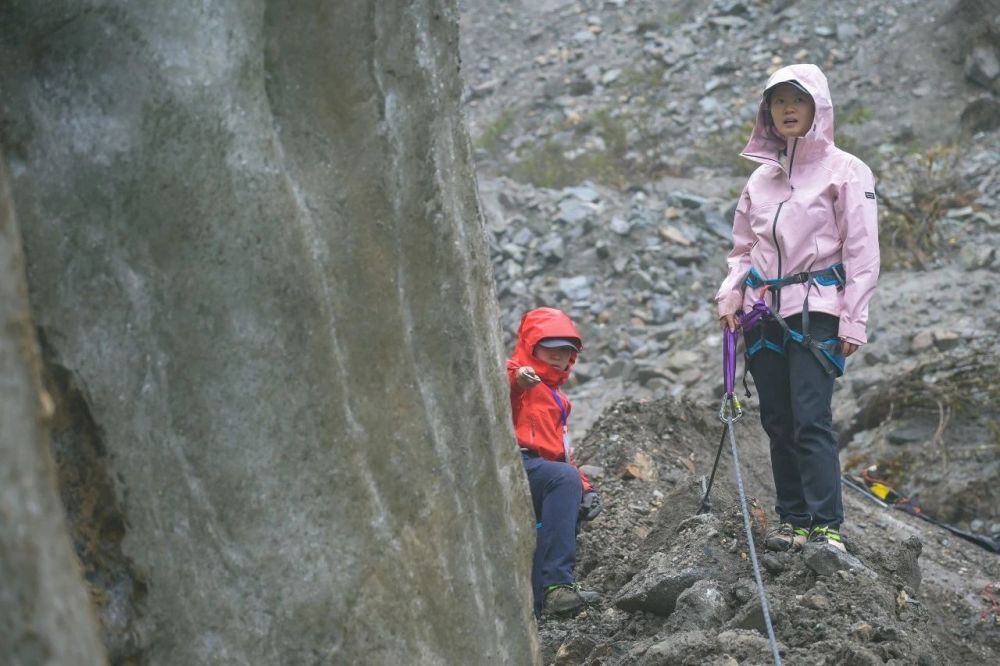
[816, 210]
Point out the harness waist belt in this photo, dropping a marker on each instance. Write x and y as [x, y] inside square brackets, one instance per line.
[827, 277]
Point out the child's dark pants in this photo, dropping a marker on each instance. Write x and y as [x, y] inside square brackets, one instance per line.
[795, 394]
[556, 491]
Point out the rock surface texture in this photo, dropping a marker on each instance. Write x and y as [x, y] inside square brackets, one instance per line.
[258, 267]
[45, 615]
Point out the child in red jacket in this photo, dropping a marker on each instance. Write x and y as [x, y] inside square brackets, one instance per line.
[546, 349]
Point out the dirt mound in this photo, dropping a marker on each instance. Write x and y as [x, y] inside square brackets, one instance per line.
[679, 589]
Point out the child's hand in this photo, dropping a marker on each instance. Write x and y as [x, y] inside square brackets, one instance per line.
[526, 377]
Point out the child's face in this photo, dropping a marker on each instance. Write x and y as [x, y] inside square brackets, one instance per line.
[791, 110]
[557, 357]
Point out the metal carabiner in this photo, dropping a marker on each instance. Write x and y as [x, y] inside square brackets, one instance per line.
[730, 410]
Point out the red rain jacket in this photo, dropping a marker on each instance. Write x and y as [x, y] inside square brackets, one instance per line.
[538, 420]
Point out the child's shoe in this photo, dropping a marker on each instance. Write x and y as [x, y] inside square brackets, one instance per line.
[562, 599]
[829, 536]
[785, 537]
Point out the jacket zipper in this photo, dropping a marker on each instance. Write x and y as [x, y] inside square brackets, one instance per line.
[776, 295]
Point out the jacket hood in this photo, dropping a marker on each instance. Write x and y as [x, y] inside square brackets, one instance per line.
[538, 324]
[765, 143]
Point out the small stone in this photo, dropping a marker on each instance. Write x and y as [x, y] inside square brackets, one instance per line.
[922, 341]
[674, 235]
[863, 631]
[620, 226]
[982, 65]
[847, 31]
[816, 602]
[773, 563]
[575, 288]
[642, 467]
[610, 76]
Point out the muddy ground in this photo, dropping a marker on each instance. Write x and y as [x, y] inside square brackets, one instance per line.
[678, 589]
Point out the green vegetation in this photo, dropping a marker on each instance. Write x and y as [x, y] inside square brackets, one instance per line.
[494, 133]
[553, 164]
[547, 165]
[914, 193]
[859, 116]
[721, 150]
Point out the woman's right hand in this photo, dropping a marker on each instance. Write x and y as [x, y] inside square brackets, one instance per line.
[729, 321]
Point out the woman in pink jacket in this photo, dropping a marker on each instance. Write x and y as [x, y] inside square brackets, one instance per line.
[805, 241]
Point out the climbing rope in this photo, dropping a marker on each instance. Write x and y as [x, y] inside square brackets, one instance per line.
[729, 417]
[730, 412]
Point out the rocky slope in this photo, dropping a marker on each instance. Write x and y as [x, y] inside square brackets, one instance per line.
[607, 138]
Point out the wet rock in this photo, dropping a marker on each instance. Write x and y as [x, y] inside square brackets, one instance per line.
[863, 632]
[976, 257]
[752, 645]
[702, 605]
[575, 288]
[620, 226]
[655, 590]
[483, 89]
[981, 115]
[572, 211]
[575, 650]
[672, 649]
[907, 567]
[982, 65]
[856, 655]
[641, 467]
[674, 235]
[751, 615]
[552, 250]
[826, 560]
[909, 434]
[773, 563]
[681, 360]
[847, 31]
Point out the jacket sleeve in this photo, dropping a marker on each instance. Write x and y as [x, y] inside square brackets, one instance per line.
[730, 295]
[857, 219]
[512, 368]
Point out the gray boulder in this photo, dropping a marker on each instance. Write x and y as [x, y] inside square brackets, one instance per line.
[254, 247]
[45, 613]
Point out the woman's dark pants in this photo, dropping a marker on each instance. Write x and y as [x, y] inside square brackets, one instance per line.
[795, 393]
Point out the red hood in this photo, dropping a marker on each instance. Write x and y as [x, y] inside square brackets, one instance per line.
[538, 324]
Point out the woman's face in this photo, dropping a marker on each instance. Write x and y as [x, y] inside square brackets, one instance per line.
[791, 110]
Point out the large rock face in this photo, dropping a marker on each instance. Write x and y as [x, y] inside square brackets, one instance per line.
[45, 616]
[257, 261]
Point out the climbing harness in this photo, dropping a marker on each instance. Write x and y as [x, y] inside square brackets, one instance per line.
[827, 351]
[730, 412]
[881, 493]
[563, 414]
